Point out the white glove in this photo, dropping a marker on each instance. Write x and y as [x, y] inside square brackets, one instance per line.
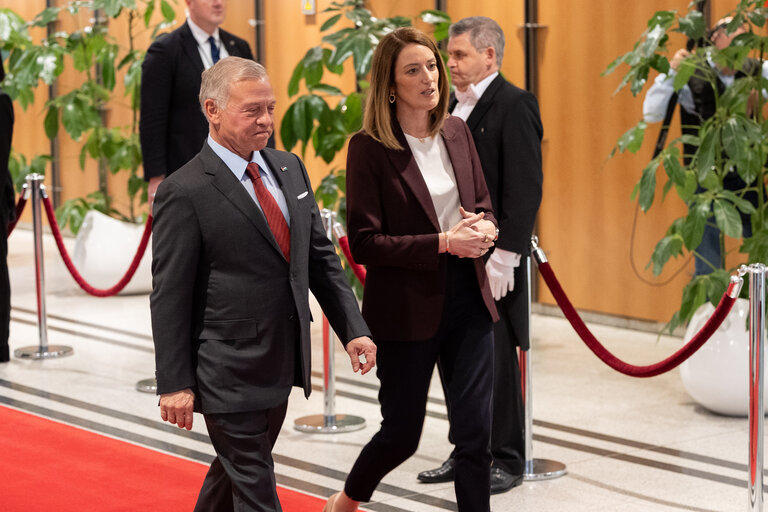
[500, 268]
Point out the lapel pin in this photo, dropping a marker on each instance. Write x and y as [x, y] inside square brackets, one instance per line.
[283, 168]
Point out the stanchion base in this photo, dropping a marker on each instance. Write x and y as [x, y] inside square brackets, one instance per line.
[321, 424]
[147, 386]
[38, 352]
[543, 469]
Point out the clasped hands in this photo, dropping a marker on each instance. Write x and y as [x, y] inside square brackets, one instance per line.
[471, 237]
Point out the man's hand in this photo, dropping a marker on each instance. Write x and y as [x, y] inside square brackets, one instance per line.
[500, 268]
[154, 182]
[362, 346]
[177, 407]
[678, 57]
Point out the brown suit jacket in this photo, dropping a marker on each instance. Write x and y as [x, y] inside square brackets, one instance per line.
[393, 230]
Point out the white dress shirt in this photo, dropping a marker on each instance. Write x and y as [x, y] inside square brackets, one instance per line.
[237, 165]
[435, 165]
[464, 107]
[201, 36]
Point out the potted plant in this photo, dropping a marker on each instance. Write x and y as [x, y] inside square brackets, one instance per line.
[733, 139]
[717, 168]
[100, 61]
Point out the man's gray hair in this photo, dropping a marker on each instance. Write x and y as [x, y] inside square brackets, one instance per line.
[217, 79]
[483, 33]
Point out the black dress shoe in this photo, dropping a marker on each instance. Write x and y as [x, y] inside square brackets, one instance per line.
[444, 473]
[501, 481]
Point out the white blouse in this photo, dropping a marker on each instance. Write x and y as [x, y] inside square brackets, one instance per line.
[431, 156]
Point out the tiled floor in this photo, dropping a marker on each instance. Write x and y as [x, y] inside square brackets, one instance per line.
[629, 444]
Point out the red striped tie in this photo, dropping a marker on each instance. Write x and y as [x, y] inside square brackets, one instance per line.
[271, 211]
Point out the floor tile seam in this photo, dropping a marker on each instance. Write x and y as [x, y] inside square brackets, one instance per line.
[324, 486]
[80, 334]
[69, 411]
[81, 324]
[694, 457]
[651, 463]
[669, 450]
[112, 414]
[631, 496]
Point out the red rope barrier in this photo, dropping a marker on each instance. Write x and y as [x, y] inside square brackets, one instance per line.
[19, 209]
[71, 266]
[358, 269]
[722, 310]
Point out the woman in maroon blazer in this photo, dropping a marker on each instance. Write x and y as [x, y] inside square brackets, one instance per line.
[419, 216]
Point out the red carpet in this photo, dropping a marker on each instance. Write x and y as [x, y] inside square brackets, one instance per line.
[49, 466]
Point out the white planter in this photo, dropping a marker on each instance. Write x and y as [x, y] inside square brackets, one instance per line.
[717, 375]
[104, 249]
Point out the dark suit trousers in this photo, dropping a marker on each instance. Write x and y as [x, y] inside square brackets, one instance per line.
[5, 288]
[508, 431]
[242, 476]
[463, 348]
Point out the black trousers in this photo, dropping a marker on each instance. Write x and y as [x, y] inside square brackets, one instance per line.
[463, 349]
[242, 476]
[508, 427]
[5, 288]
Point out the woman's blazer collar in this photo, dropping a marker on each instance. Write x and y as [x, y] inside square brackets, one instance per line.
[458, 152]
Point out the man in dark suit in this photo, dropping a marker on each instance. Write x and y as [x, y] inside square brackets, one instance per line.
[171, 127]
[507, 131]
[237, 244]
[7, 214]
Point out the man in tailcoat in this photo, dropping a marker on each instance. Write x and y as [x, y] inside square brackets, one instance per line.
[506, 127]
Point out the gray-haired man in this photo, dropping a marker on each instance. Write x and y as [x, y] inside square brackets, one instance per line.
[237, 244]
[507, 130]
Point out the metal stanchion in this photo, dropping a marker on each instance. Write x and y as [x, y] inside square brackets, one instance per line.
[329, 422]
[756, 381]
[43, 350]
[535, 469]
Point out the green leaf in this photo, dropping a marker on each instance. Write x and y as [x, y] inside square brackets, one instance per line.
[648, 185]
[326, 89]
[687, 191]
[693, 25]
[167, 9]
[705, 158]
[666, 248]
[693, 227]
[685, 71]
[330, 22]
[433, 17]
[352, 111]
[293, 83]
[694, 295]
[148, 12]
[727, 218]
[51, 122]
[632, 139]
[673, 166]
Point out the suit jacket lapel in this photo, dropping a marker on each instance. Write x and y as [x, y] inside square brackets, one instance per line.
[484, 103]
[230, 44]
[412, 176]
[459, 152]
[223, 179]
[189, 44]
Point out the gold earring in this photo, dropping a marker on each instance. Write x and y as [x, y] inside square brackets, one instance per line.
[392, 96]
